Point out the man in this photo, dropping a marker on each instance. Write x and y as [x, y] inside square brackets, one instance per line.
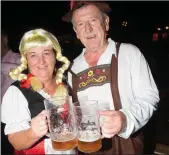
[138, 92]
[9, 60]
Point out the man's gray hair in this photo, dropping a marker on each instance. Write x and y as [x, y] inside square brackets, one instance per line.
[103, 15]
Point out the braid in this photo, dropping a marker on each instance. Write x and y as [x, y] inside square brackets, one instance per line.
[59, 75]
[61, 90]
[59, 57]
[16, 74]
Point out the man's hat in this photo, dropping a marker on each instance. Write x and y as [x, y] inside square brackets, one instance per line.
[103, 6]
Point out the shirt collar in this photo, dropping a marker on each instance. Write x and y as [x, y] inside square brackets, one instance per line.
[111, 49]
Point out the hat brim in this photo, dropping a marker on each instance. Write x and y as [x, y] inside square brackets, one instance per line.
[101, 5]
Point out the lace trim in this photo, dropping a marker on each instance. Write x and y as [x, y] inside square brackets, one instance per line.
[44, 94]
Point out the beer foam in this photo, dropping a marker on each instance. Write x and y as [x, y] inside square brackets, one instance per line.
[88, 136]
[63, 137]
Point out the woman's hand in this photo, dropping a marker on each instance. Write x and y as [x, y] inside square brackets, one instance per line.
[39, 124]
[114, 122]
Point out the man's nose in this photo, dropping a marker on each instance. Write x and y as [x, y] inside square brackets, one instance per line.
[88, 27]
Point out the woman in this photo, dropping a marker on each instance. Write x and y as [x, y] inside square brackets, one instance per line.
[22, 107]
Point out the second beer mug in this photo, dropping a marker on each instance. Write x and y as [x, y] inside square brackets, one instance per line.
[87, 117]
[61, 123]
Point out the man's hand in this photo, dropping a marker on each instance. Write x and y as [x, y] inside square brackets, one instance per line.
[114, 122]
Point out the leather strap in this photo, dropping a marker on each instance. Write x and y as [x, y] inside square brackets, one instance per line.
[74, 87]
[114, 79]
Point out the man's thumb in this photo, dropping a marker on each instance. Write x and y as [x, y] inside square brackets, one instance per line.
[106, 112]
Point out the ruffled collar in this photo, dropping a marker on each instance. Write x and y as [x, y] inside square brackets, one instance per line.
[44, 94]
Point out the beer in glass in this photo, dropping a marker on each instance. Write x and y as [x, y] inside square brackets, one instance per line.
[61, 122]
[89, 137]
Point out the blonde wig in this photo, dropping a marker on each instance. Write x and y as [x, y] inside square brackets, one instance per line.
[38, 38]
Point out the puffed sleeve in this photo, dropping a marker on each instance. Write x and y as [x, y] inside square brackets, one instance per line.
[14, 111]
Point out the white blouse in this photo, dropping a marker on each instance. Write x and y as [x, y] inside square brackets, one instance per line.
[16, 115]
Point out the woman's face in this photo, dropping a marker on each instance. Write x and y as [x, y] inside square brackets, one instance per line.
[41, 62]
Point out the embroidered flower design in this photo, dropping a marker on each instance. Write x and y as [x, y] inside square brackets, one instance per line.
[98, 71]
[90, 73]
[84, 76]
[26, 83]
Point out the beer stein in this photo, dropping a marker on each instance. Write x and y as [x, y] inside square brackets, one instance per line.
[87, 118]
[61, 122]
[103, 105]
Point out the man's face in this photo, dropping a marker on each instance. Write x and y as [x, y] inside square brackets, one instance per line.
[90, 27]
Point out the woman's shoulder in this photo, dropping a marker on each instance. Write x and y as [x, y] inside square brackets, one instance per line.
[12, 90]
[16, 84]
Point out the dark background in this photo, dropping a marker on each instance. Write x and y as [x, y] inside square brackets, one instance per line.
[143, 19]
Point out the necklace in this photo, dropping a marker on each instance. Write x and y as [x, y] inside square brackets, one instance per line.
[50, 88]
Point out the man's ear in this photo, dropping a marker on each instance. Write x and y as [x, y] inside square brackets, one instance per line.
[76, 32]
[106, 22]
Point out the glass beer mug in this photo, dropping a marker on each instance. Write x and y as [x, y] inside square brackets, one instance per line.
[87, 118]
[61, 122]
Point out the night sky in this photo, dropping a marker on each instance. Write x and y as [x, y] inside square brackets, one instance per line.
[18, 17]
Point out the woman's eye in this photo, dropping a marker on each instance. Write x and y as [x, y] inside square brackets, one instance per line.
[32, 56]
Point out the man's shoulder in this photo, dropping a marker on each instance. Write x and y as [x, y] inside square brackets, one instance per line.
[128, 45]
[129, 48]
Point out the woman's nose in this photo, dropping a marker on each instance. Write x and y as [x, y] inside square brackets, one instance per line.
[42, 60]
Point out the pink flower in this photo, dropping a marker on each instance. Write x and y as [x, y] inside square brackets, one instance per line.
[84, 76]
[98, 71]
